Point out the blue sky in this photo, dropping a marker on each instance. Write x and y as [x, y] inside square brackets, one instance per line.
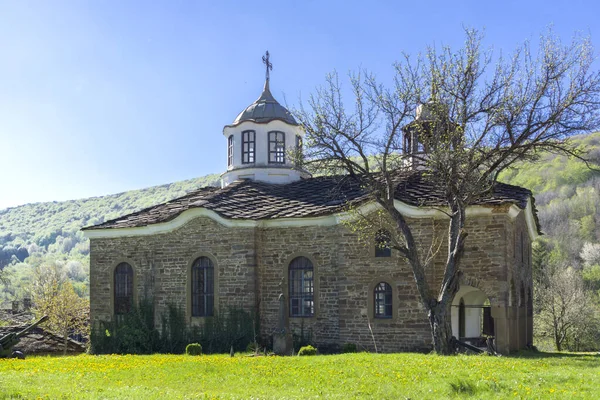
[99, 97]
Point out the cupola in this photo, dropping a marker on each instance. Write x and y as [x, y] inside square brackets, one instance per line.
[261, 141]
[265, 109]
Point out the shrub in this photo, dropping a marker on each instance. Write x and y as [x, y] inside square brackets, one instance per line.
[307, 351]
[235, 327]
[135, 332]
[193, 349]
[304, 338]
[132, 333]
[349, 348]
[253, 347]
[174, 333]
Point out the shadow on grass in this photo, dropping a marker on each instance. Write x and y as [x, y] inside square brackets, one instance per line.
[584, 359]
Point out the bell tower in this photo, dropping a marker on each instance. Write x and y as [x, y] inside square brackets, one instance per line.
[431, 129]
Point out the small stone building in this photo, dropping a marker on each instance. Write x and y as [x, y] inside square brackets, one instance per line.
[272, 228]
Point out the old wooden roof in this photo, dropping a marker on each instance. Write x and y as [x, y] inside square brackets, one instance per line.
[39, 340]
[252, 200]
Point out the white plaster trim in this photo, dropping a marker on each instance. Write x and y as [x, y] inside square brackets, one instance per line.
[327, 220]
[514, 211]
[437, 212]
[193, 213]
[530, 219]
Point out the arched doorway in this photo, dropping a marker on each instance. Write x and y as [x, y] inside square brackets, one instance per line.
[471, 316]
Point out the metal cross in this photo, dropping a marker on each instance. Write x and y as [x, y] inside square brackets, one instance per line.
[266, 61]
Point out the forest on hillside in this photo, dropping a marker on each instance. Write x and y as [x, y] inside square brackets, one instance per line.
[50, 232]
[567, 195]
[566, 259]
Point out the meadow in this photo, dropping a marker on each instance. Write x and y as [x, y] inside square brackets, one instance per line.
[381, 376]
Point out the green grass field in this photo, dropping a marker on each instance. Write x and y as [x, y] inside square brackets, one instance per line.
[381, 376]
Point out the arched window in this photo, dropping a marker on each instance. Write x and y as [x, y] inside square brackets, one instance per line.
[302, 289]
[276, 147]
[203, 287]
[382, 244]
[383, 300]
[230, 151]
[123, 288]
[248, 142]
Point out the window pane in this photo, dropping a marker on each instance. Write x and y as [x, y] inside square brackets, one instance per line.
[388, 310]
[276, 147]
[202, 287]
[301, 287]
[248, 147]
[123, 288]
[230, 150]
[383, 300]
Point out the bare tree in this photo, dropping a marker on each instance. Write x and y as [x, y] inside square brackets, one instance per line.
[566, 312]
[477, 116]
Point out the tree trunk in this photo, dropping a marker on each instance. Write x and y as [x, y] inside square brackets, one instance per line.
[560, 339]
[441, 329]
[66, 343]
[557, 340]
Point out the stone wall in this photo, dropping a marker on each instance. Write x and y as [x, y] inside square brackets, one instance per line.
[162, 265]
[251, 264]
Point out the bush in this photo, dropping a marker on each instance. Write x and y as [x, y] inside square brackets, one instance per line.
[234, 328]
[136, 333]
[253, 347]
[132, 333]
[349, 348]
[193, 349]
[307, 351]
[303, 338]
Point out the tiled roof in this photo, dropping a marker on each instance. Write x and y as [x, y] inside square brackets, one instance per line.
[252, 200]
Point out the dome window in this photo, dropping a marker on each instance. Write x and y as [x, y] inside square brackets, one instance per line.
[276, 147]
[230, 151]
[248, 143]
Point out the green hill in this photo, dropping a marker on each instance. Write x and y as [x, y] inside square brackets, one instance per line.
[42, 223]
[34, 233]
[552, 173]
[567, 195]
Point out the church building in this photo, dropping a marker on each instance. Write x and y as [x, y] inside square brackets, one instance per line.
[272, 229]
